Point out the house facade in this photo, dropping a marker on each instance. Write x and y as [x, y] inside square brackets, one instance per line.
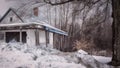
[14, 29]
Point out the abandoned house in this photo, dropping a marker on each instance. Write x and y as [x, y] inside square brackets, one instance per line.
[14, 29]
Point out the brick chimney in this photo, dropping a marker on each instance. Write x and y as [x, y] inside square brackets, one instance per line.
[35, 11]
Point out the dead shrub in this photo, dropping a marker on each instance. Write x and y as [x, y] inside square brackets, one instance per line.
[85, 45]
[91, 48]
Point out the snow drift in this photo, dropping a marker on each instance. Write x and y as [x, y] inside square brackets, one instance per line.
[16, 55]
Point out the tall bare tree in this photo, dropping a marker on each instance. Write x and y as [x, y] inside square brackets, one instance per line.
[90, 28]
[89, 4]
[116, 32]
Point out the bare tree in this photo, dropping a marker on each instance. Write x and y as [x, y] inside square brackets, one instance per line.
[115, 26]
[93, 25]
[116, 32]
[81, 10]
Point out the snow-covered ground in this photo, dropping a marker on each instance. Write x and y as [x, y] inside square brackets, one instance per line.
[103, 59]
[15, 55]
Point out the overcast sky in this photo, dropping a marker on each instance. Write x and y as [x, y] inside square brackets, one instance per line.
[4, 6]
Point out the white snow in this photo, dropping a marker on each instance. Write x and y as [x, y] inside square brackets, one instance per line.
[103, 59]
[15, 55]
[82, 52]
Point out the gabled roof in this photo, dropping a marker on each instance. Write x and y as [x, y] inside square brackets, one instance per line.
[10, 9]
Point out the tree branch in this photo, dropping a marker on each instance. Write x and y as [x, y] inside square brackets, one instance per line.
[58, 3]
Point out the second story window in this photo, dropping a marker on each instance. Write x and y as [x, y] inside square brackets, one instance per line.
[35, 11]
[11, 19]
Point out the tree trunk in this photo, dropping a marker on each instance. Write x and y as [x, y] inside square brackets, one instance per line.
[116, 32]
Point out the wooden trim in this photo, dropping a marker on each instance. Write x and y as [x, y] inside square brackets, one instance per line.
[55, 40]
[46, 38]
[20, 36]
[4, 36]
[37, 37]
[22, 29]
[12, 30]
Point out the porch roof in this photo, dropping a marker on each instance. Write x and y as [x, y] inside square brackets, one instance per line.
[38, 25]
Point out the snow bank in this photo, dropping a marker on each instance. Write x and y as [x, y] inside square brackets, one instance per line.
[102, 59]
[12, 57]
[60, 65]
[52, 58]
[16, 55]
[90, 62]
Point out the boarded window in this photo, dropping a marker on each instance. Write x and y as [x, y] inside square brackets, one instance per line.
[35, 10]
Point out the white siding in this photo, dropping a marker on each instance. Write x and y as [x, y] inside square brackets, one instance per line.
[31, 37]
[51, 39]
[42, 38]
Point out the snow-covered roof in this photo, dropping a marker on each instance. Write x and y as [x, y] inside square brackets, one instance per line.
[15, 24]
[39, 25]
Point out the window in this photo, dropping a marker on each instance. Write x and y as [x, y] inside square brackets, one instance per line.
[11, 19]
[15, 37]
[12, 37]
[35, 11]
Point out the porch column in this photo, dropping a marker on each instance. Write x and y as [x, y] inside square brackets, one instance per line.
[54, 40]
[20, 35]
[4, 36]
[47, 38]
[37, 36]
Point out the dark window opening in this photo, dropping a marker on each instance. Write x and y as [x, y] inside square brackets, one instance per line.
[11, 19]
[35, 10]
[12, 37]
[15, 37]
[24, 35]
